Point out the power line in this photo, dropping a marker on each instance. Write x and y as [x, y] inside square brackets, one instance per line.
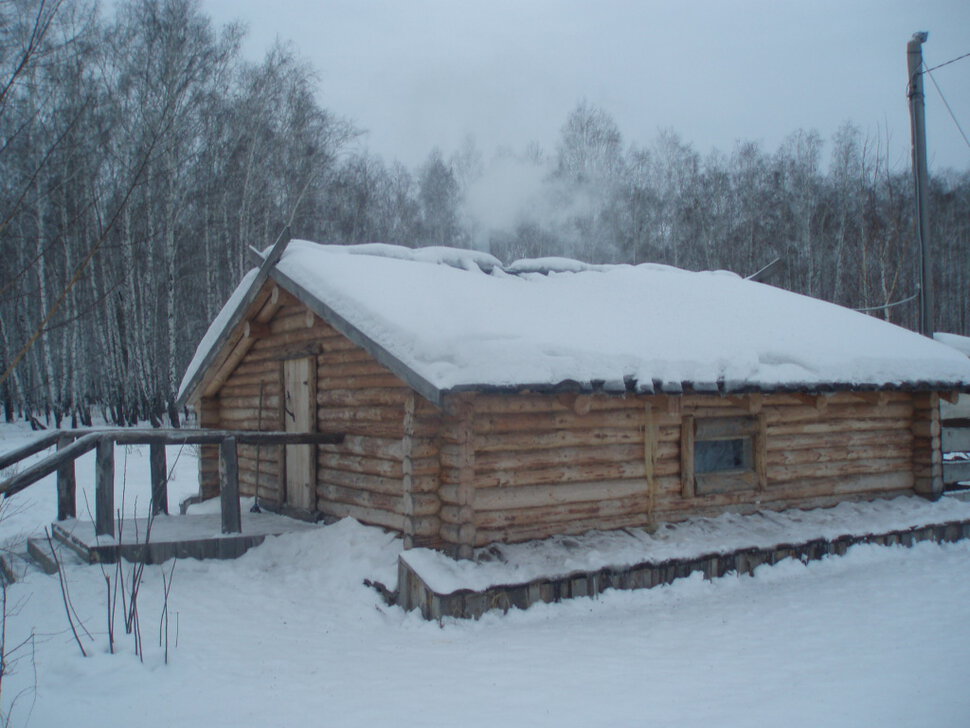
[947, 105]
[947, 63]
[889, 305]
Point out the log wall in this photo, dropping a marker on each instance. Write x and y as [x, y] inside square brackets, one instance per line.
[499, 467]
[386, 471]
[540, 464]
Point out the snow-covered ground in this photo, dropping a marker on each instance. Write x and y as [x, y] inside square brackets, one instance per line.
[288, 636]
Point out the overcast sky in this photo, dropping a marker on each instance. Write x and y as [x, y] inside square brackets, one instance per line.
[422, 73]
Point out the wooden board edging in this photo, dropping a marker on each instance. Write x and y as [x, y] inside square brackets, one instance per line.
[413, 593]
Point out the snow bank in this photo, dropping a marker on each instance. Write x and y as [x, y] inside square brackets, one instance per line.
[443, 316]
[501, 564]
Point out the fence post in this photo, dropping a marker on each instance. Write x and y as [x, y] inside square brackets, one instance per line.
[104, 488]
[159, 475]
[66, 484]
[229, 486]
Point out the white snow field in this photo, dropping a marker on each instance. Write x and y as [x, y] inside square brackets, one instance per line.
[288, 635]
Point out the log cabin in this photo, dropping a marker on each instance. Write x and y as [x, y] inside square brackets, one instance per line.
[487, 403]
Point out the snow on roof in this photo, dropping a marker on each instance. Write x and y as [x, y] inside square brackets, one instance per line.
[955, 341]
[458, 319]
[212, 336]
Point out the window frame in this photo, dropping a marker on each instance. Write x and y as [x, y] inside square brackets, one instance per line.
[728, 427]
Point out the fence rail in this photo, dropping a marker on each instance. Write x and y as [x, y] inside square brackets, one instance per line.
[72, 444]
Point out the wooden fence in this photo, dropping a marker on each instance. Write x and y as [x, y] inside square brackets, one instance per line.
[72, 445]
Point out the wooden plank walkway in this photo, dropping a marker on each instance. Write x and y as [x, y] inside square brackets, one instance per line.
[188, 536]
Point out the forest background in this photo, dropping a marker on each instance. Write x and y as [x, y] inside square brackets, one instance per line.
[141, 156]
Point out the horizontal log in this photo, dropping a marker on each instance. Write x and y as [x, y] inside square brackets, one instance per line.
[560, 513]
[367, 368]
[369, 381]
[197, 437]
[782, 473]
[791, 415]
[568, 438]
[390, 396]
[487, 424]
[359, 464]
[293, 321]
[531, 531]
[337, 342]
[387, 448]
[835, 426]
[271, 402]
[373, 413]
[377, 483]
[265, 346]
[565, 474]
[572, 456]
[41, 443]
[927, 428]
[856, 439]
[837, 454]
[533, 496]
[49, 464]
[256, 367]
[249, 416]
[250, 390]
[542, 403]
[333, 356]
[266, 467]
[268, 483]
[423, 504]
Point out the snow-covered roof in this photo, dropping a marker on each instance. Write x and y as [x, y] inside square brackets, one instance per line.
[954, 341]
[447, 319]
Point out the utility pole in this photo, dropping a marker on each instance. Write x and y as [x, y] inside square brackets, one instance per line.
[914, 57]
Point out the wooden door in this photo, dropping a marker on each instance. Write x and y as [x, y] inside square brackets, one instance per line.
[299, 415]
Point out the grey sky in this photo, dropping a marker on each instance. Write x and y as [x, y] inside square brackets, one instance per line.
[420, 73]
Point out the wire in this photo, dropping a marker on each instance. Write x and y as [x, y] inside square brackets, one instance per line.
[947, 63]
[947, 105]
[889, 305]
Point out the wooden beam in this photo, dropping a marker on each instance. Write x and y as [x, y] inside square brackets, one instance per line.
[748, 402]
[48, 465]
[159, 478]
[819, 401]
[66, 484]
[952, 397]
[42, 443]
[687, 456]
[229, 486]
[104, 489]
[253, 329]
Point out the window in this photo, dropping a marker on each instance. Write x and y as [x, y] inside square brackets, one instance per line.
[722, 454]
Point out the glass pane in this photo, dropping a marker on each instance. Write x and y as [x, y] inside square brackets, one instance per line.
[712, 456]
